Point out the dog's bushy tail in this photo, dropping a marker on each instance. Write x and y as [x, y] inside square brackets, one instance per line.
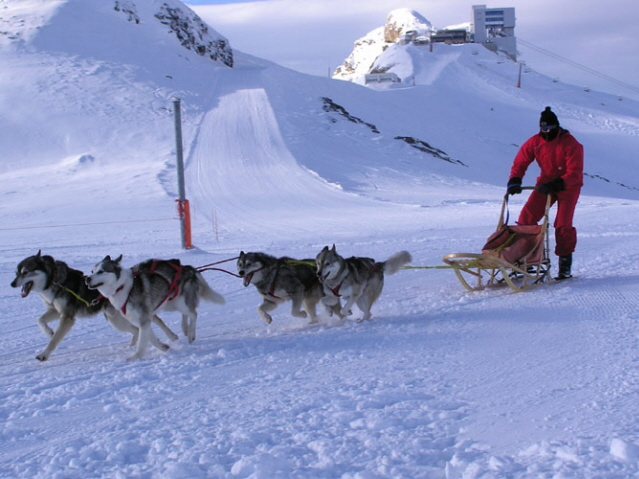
[207, 293]
[393, 264]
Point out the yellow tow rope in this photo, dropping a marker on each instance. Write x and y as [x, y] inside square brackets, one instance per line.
[430, 267]
[76, 296]
[312, 263]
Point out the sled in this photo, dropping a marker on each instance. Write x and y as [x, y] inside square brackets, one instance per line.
[514, 255]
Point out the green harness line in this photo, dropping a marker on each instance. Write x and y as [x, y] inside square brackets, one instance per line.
[296, 262]
[76, 296]
[470, 265]
[433, 267]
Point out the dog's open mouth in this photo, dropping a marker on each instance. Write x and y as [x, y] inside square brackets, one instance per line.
[26, 289]
[247, 279]
[321, 277]
[90, 284]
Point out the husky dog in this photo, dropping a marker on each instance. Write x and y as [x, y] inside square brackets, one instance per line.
[66, 297]
[358, 280]
[279, 280]
[151, 286]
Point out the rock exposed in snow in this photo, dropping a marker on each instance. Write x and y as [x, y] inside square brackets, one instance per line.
[367, 49]
[194, 34]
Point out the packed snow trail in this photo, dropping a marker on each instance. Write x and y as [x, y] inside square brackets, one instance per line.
[240, 170]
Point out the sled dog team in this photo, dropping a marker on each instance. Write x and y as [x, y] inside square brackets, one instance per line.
[130, 298]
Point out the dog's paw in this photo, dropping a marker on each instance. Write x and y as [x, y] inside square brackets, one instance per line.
[299, 314]
[267, 318]
[191, 338]
[42, 357]
[164, 347]
[345, 312]
[172, 336]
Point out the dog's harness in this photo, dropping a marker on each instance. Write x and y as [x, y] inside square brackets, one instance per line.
[174, 287]
[88, 304]
[271, 291]
[336, 289]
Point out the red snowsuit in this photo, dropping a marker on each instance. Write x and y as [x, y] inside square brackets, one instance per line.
[562, 157]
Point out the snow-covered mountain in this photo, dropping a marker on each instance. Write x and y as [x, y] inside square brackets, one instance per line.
[72, 55]
[441, 384]
[66, 56]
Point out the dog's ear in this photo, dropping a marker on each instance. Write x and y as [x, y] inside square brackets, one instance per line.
[333, 248]
[325, 249]
[241, 254]
[108, 258]
[39, 254]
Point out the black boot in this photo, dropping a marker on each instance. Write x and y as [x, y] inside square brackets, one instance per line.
[565, 263]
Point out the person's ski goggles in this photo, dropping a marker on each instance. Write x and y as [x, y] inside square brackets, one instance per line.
[548, 127]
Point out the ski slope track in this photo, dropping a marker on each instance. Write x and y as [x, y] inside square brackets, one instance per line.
[241, 168]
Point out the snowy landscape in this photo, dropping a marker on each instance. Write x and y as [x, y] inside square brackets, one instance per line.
[442, 383]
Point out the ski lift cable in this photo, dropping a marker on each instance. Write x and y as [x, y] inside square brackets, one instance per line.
[577, 65]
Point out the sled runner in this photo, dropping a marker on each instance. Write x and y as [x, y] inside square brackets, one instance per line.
[514, 255]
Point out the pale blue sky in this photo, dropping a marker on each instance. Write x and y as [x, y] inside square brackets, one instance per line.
[216, 2]
[315, 36]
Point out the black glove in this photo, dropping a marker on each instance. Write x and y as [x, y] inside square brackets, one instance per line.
[514, 186]
[554, 186]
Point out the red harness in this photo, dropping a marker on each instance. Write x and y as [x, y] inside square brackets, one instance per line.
[336, 289]
[174, 287]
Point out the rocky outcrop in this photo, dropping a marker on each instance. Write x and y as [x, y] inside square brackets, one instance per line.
[128, 8]
[367, 49]
[194, 34]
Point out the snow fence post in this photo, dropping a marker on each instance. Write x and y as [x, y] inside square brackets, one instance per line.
[519, 75]
[183, 204]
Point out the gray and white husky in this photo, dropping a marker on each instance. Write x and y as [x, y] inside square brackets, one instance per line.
[279, 280]
[66, 297]
[357, 280]
[153, 285]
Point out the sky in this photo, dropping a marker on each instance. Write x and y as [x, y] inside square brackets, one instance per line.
[316, 36]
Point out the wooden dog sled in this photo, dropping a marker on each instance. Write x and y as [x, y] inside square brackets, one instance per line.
[514, 256]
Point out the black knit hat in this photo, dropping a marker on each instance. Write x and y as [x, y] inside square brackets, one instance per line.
[548, 118]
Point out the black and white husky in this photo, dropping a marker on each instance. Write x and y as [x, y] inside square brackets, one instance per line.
[279, 280]
[358, 280]
[154, 285]
[66, 297]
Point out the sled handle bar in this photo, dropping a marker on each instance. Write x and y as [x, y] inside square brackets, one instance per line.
[504, 206]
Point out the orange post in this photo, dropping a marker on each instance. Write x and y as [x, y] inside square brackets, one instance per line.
[187, 225]
[184, 210]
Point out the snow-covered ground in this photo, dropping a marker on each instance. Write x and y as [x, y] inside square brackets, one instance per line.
[441, 384]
